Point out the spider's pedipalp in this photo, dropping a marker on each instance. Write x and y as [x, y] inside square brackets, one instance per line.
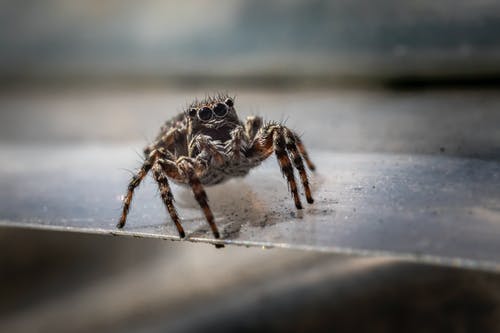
[206, 149]
[252, 126]
[238, 144]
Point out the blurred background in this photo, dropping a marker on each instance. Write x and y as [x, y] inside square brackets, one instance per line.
[391, 77]
[245, 41]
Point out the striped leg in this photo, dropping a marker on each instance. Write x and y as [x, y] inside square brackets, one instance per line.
[285, 164]
[303, 152]
[281, 140]
[166, 195]
[172, 139]
[134, 182]
[291, 147]
[200, 195]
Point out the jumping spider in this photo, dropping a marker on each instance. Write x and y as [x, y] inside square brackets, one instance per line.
[208, 144]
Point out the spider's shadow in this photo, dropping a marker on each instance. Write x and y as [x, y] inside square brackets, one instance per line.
[247, 208]
[241, 203]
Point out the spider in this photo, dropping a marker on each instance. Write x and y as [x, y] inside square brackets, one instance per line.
[208, 144]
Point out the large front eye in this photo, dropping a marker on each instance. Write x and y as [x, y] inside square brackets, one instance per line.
[205, 114]
[220, 110]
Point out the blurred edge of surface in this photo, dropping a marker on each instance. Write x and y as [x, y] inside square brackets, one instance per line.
[86, 282]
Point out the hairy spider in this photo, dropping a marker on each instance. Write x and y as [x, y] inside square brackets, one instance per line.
[208, 144]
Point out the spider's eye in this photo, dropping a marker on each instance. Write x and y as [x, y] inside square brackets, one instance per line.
[220, 110]
[205, 114]
[192, 112]
[229, 102]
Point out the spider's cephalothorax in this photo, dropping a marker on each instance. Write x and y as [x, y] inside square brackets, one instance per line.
[208, 144]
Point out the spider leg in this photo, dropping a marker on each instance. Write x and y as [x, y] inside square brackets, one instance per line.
[303, 152]
[134, 182]
[284, 143]
[166, 194]
[201, 196]
[291, 146]
[173, 140]
[186, 168]
[170, 168]
[271, 138]
[189, 170]
[279, 144]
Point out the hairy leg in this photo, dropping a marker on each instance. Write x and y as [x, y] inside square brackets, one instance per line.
[271, 138]
[183, 170]
[281, 140]
[304, 153]
[186, 167]
[173, 140]
[291, 147]
[279, 144]
[160, 175]
[134, 182]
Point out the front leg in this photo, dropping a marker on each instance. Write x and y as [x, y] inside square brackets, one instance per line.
[160, 175]
[185, 169]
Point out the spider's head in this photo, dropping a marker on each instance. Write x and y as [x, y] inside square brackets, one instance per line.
[214, 116]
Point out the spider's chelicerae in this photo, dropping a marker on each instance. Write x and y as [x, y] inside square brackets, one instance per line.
[208, 144]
